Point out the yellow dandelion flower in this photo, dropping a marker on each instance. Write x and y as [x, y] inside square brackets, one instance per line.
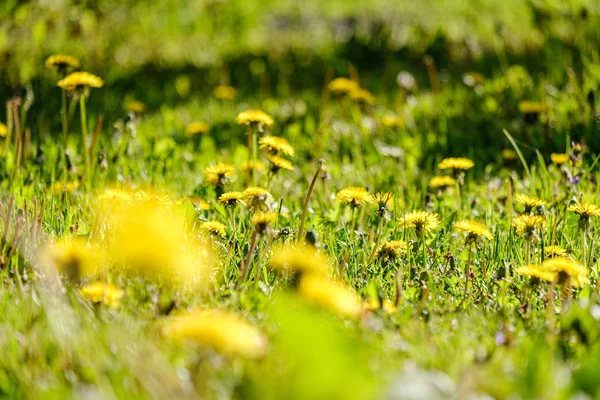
[392, 121]
[301, 259]
[456, 163]
[332, 296]
[115, 196]
[567, 268]
[254, 117]
[555, 251]
[200, 203]
[152, 199]
[71, 257]
[196, 128]
[585, 210]
[262, 220]
[219, 174]
[135, 106]
[250, 165]
[354, 196]
[531, 107]
[100, 292]
[225, 92]
[441, 182]
[231, 199]
[342, 86]
[420, 221]
[276, 145]
[559, 158]
[387, 306]
[62, 61]
[474, 229]
[529, 202]
[528, 224]
[362, 96]
[78, 80]
[214, 228]
[391, 250]
[255, 193]
[278, 163]
[3, 130]
[382, 201]
[222, 331]
[536, 271]
[156, 243]
[509, 155]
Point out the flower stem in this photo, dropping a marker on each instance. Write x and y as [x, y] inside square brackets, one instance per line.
[321, 164]
[250, 177]
[468, 270]
[65, 126]
[84, 135]
[246, 265]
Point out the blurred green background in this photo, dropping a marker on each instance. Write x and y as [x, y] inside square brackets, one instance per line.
[168, 52]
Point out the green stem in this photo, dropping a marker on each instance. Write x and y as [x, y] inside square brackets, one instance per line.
[84, 135]
[321, 164]
[65, 127]
[468, 270]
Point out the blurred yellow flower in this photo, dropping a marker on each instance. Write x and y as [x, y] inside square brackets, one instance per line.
[196, 128]
[332, 296]
[342, 86]
[99, 292]
[221, 331]
[474, 229]
[301, 259]
[254, 117]
[276, 145]
[559, 158]
[392, 121]
[509, 155]
[441, 182]
[249, 165]
[362, 96]
[73, 258]
[224, 92]
[200, 203]
[3, 130]
[261, 220]
[60, 187]
[278, 163]
[135, 106]
[115, 196]
[62, 61]
[456, 163]
[354, 196]
[567, 268]
[155, 241]
[536, 271]
[77, 80]
[531, 107]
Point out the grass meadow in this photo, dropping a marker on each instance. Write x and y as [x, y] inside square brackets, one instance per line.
[317, 200]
